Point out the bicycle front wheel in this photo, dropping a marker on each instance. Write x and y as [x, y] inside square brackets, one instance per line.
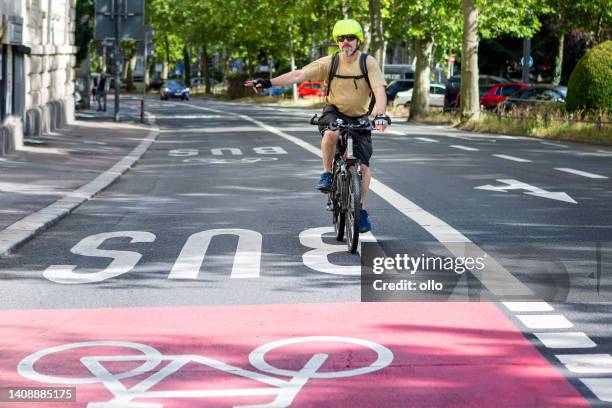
[353, 209]
[338, 216]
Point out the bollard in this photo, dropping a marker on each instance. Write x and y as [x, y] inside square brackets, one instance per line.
[142, 105]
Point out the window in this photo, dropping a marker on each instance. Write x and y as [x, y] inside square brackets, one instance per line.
[507, 90]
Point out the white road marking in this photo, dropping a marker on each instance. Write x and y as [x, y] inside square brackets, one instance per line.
[601, 387]
[469, 149]
[555, 144]
[511, 184]
[587, 363]
[551, 321]
[581, 173]
[513, 158]
[247, 259]
[563, 340]
[394, 132]
[528, 306]
[123, 261]
[426, 139]
[497, 279]
[318, 257]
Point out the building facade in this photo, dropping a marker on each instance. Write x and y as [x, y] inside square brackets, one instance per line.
[37, 68]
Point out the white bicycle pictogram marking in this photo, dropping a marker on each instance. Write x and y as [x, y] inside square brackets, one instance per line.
[284, 390]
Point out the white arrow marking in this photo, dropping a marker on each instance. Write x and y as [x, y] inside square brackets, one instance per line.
[511, 184]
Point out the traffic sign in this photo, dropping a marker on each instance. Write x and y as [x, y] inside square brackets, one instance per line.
[530, 61]
[131, 13]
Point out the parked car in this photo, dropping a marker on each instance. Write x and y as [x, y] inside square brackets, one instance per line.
[399, 85]
[277, 90]
[173, 88]
[436, 96]
[453, 87]
[536, 94]
[492, 96]
[498, 93]
[311, 88]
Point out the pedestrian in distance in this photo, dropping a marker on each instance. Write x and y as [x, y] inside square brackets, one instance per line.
[101, 92]
[358, 86]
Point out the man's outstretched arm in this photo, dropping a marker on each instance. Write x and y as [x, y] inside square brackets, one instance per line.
[289, 78]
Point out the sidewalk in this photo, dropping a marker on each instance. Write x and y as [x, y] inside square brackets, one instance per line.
[44, 182]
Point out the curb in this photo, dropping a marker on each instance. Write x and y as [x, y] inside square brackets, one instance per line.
[17, 234]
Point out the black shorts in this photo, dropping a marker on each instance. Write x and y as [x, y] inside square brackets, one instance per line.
[362, 141]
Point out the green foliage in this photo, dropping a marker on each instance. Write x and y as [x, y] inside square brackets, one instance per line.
[84, 27]
[590, 85]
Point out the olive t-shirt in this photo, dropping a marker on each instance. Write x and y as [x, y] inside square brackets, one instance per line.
[351, 96]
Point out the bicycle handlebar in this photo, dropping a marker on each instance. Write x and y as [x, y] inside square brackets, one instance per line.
[339, 124]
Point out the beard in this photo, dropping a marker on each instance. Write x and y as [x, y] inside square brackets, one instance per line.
[348, 50]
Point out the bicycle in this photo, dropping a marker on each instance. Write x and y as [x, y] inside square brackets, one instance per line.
[344, 198]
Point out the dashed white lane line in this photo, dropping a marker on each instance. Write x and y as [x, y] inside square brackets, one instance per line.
[601, 387]
[581, 173]
[394, 132]
[426, 139]
[469, 149]
[512, 158]
[587, 363]
[541, 322]
[565, 340]
[528, 306]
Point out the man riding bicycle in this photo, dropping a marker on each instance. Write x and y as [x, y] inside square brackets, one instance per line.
[348, 98]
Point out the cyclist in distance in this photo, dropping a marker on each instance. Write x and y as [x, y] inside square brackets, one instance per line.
[349, 91]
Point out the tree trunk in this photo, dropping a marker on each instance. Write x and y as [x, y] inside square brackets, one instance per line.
[129, 83]
[166, 66]
[559, 60]
[206, 60]
[470, 99]
[420, 92]
[187, 65]
[292, 61]
[377, 44]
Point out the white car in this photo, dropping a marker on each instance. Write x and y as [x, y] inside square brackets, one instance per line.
[436, 96]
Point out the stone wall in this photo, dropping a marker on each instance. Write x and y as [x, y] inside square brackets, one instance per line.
[49, 100]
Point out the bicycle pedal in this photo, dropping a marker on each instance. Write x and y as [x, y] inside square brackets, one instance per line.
[329, 207]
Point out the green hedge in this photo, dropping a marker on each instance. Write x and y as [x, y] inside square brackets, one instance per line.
[590, 85]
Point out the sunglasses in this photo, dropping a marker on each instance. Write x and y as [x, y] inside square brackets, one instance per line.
[347, 38]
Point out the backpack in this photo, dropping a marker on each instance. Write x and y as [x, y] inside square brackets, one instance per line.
[364, 74]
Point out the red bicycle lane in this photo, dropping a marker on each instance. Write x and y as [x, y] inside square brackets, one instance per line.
[332, 354]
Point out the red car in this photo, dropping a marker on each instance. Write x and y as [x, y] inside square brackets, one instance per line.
[498, 93]
[495, 94]
[311, 89]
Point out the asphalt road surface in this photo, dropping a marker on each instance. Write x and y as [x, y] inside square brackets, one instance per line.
[208, 274]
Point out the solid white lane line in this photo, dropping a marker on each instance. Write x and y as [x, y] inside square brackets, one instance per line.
[497, 279]
[581, 173]
[528, 306]
[587, 363]
[513, 158]
[601, 387]
[426, 139]
[469, 149]
[562, 340]
[540, 322]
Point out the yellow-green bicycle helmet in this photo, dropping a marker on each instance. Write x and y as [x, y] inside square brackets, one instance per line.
[347, 27]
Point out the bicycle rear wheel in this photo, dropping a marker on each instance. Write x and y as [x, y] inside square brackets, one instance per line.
[338, 216]
[353, 209]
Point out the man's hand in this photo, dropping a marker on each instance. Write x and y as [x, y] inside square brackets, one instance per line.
[381, 121]
[259, 84]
